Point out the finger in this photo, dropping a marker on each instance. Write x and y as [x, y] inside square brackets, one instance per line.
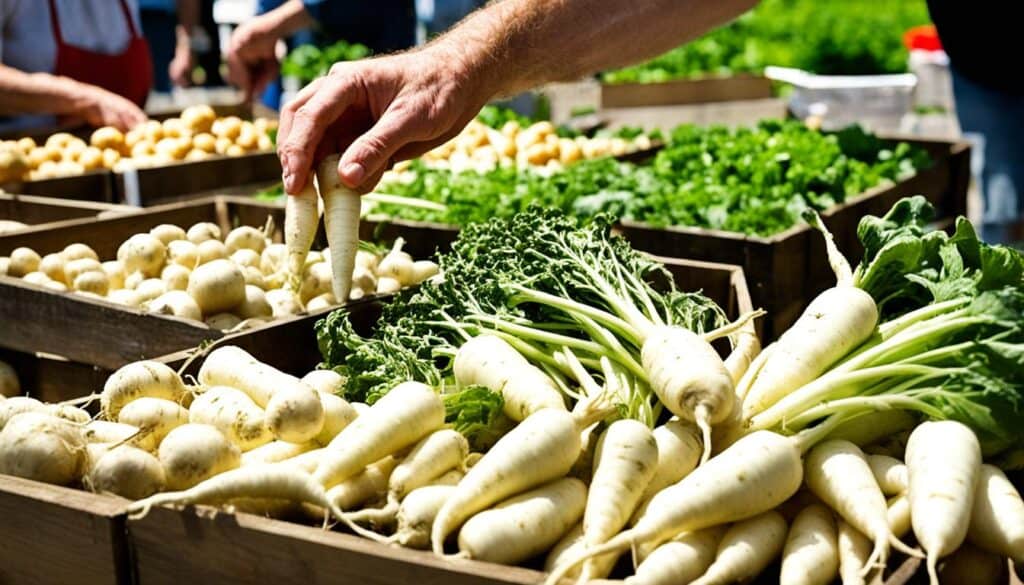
[284, 125]
[307, 128]
[369, 154]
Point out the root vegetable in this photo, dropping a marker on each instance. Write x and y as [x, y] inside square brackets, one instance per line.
[316, 280]
[16, 405]
[128, 472]
[202, 232]
[301, 217]
[217, 286]
[811, 555]
[363, 279]
[104, 431]
[52, 265]
[232, 412]
[193, 453]
[997, 519]
[254, 305]
[125, 297]
[211, 250]
[898, 515]
[254, 277]
[679, 452]
[387, 285]
[367, 260]
[22, 261]
[168, 233]
[321, 302]
[342, 208]
[943, 466]
[326, 381]
[680, 560]
[245, 237]
[178, 303]
[42, 447]
[246, 257]
[489, 361]
[746, 549]
[142, 253]
[397, 264]
[9, 384]
[854, 552]
[138, 379]
[223, 321]
[150, 289]
[73, 268]
[890, 473]
[422, 270]
[276, 451]
[183, 253]
[94, 282]
[175, 277]
[157, 416]
[367, 485]
[273, 256]
[114, 270]
[338, 414]
[283, 302]
[416, 515]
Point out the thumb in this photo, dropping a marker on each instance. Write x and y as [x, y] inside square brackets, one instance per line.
[369, 154]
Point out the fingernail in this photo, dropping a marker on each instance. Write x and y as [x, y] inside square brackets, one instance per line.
[354, 173]
[289, 182]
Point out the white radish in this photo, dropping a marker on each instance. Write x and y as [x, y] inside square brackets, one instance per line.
[541, 448]
[156, 416]
[338, 414]
[489, 361]
[838, 472]
[234, 413]
[283, 302]
[342, 208]
[811, 554]
[192, 453]
[997, 519]
[138, 379]
[177, 303]
[126, 471]
[142, 253]
[403, 416]
[104, 431]
[943, 465]
[689, 377]
[326, 381]
[417, 512]
[755, 474]
[369, 484]
[217, 286]
[679, 452]
[743, 354]
[42, 447]
[276, 452]
[854, 552]
[680, 560]
[898, 515]
[525, 525]
[301, 217]
[746, 549]
[624, 463]
[890, 473]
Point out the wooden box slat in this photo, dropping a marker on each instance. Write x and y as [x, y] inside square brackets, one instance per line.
[51, 534]
[92, 186]
[51, 378]
[685, 91]
[157, 185]
[39, 212]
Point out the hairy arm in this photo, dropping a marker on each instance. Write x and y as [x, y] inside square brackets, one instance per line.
[29, 93]
[390, 108]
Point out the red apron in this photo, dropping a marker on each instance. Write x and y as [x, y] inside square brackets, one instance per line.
[129, 74]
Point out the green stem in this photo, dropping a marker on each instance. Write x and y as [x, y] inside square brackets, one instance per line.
[911, 340]
[808, 438]
[405, 201]
[613, 322]
[870, 403]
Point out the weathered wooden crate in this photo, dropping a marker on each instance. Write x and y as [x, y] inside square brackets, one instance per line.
[42, 212]
[94, 331]
[51, 534]
[92, 186]
[182, 180]
[52, 378]
[686, 91]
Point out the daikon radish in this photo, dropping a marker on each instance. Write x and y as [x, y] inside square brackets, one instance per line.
[341, 222]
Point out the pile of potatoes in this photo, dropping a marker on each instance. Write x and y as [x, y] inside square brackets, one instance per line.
[154, 432]
[196, 135]
[230, 282]
[482, 148]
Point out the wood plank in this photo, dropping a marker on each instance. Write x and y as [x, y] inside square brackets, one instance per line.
[38, 211]
[52, 378]
[157, 184]
[52, 534]
[93, 186]
[685, 91]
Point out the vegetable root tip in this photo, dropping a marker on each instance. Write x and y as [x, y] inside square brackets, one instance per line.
[701, 419]
[933, 573]
[906, 549]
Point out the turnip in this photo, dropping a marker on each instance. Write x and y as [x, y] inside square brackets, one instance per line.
[138, 379]
[22, 261]
[753, 475]
[67, 412]
[397, 264]
[272, 258]
[52, 265]
[16, 405]
[276, 482]
[364, 279]
[836, 321]
[192, 453]
[342, 208]
[838, 472]
[890, 473]
[9, 384]
[42, 447]
[150, 289]
[126, 471]
[104, 431]
[178, 303]
[246, 257]
[183, 253]
[156, 416]
[254, 305]
[234, 413]
[326, 381]
[245, 237]
[746, 549]
[211, 250]
[142, 253]
[403, 416]
[854, 552]
[223, 321]
[524, 525]
[316, 280]
[125, 297]
[276, 452]
[422, 270]
[680, 560]
[489, 361]
[217, 286]
[625, 461]
[387, 285]
[78, 250]
[997, 519]
[175, 277]
[202, 232]
[811, 554]
[943, 465]
[168, 233]
[114, 270]
[283, 302]
[301, 216]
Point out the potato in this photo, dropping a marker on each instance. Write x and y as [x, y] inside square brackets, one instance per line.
[107, 137]
[133, 280]
[77, 251]
[205, 142]
[255, 277]
[234, 150]
[125, 297]
[283, 302]
[168, 233]
[59, 140]
[217, 286]
[223, 321]
[211, 250]
[152, 130]
[228, 127]
[264, 143]
[142, 149]
[92, 281]
[178, 303]
[272, 258]
[69, 168]
[196, 154]
[143, 253]
[255, 304]
[131, 139]
[75, 267]
[245, 237]
[110, 158]
[222, 145]
[150, 289]
[52, 265]
[245, 257]
[23, 260]
[184, 253]
[176, 128]
[174, 148]
[114, 270]
[198, 118]
[247, 136]
[203, 231]
[26, 145]
[175, 276]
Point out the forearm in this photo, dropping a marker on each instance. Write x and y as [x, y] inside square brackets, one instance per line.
[28, 93]
[519, 44]
[288, 18]
[188, 16]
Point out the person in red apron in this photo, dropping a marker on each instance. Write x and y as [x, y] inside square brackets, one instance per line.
[101, 77]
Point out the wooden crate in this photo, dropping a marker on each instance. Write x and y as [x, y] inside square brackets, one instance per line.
[685, 91]
[92, 186]
[52, 378]
[51, 534]
[178, 181]
[43, 212]
[198, 546]
[93, 331]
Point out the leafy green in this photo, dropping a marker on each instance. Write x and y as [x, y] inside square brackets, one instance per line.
[307, 62]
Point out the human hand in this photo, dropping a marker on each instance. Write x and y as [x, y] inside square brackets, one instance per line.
[180, 68]
[378, 111]
[251, 58]
[99, 107]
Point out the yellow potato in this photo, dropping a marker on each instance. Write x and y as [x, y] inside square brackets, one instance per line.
[205, 142]
[72, 151]
[199, 118]
[196, 154]
[91, 158]
[173, 148]
[27, 145]
[264, 143]
[107, 137]
[111, 158]
[222, 145]
[175, 128]
[59, 140]
[143, 148]
[228, 127]
[131, 139]
[235, 150]
[152, 130]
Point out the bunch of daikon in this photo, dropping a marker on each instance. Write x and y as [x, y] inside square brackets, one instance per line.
[229, 281]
